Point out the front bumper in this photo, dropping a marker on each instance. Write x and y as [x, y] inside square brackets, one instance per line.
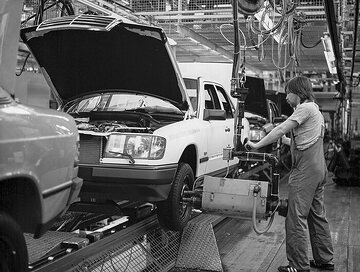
[127, 182]
[75, 190]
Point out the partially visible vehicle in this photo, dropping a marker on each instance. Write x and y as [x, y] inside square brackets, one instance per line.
[260, 125]
[144, 136]
[38, 157]
[262, 113]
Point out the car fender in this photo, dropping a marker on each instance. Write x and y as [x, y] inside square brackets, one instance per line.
[39, 145]
[179, 136]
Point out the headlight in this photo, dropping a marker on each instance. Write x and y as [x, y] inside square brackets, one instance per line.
[137, 146]
[256, 135]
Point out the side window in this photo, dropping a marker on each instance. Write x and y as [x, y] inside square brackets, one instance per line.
[191, 87]
[225, 102]
[211, 99]
[193, 95]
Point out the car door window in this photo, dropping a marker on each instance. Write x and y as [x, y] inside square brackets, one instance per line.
[211, 99]
[191, 88]
[225, 102]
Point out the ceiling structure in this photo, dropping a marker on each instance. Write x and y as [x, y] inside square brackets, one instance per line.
[202, 31]
[216, 28]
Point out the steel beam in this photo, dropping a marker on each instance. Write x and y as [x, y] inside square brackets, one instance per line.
[334, 36]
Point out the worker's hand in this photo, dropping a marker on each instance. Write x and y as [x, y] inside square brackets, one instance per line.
[250, 145]
[285, 140]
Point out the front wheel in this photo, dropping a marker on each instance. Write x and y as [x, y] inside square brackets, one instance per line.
[13, 251]
[172, 213]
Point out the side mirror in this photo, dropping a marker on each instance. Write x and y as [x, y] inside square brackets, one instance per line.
[210, 114]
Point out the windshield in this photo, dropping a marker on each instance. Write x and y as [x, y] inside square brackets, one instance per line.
[121, 102]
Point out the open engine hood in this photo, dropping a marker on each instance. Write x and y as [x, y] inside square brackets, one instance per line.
[85, 54]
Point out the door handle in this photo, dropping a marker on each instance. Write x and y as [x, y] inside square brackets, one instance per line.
[227, 129]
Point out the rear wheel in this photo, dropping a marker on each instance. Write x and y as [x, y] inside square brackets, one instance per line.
[14, 256]
[173, 213]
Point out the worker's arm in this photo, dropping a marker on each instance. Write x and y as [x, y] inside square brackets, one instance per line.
[275, 134]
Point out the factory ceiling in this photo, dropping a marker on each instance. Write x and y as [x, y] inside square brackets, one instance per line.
[286, 37]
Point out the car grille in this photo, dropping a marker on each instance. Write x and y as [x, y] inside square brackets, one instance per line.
[82, 20]
[91, 148]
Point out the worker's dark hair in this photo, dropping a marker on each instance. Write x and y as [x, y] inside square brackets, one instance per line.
[301, 86]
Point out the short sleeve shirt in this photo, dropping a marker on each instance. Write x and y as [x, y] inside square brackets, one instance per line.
[310, 121]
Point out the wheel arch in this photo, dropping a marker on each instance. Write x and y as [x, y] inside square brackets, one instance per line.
[189, 156]
[21, 200]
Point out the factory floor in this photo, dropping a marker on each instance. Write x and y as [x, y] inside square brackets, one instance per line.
[241, 249]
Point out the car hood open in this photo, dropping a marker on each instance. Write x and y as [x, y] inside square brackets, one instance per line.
[83, 54]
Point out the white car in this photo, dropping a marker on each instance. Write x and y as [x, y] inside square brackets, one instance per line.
[144, 135]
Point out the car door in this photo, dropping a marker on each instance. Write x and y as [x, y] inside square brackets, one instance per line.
[229, 122]
[218, 131]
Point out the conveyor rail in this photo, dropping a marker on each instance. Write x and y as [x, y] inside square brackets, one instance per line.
[143, 246]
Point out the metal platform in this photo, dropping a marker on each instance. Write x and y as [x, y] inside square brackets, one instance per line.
[198, 248]
[144, 247]
[37, 248]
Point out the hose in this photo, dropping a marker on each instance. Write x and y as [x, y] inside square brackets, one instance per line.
[254, 220]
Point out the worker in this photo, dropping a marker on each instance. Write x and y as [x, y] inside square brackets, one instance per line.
[306, 181]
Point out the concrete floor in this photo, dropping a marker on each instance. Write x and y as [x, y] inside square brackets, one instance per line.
[241, 249]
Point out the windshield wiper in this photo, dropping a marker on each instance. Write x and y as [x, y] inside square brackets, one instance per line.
[131, 159]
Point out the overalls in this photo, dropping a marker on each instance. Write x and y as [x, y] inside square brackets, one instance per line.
[306, 204]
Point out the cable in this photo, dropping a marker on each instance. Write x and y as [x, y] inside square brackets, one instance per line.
[242, 47]
[308, 46]
[290, 25]
[254, 219]
[196, 181]
[288, 11]
[227, 170]
[279, 53]
[283, 28]
[266, 31]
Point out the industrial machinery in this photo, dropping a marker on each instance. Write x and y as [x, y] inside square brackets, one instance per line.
[243, 198]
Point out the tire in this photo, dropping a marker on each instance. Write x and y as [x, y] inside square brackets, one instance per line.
[172, 213]
[14, 255]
